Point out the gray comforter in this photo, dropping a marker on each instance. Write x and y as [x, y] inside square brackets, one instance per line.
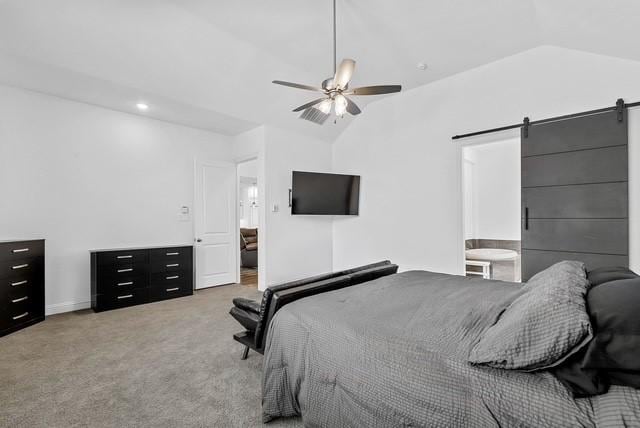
[393, 352]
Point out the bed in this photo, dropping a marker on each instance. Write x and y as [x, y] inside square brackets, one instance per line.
[356, 357]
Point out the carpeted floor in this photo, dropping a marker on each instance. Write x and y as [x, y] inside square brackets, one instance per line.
[165, 364]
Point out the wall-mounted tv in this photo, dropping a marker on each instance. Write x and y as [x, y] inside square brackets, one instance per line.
[315, 193]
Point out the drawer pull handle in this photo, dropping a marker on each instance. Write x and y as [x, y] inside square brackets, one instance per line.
[173, 265]
[127, 296]
[173, 254]
[20, 266]
[125, 257]
[173, 277]
[125, 270]
[173, 289]
[20, 250]
[17, 317]
[21, 299]
[13, 284]
[125, 283]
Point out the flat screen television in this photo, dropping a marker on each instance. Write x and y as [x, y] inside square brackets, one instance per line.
[315, 193]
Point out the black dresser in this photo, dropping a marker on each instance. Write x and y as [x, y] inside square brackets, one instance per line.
[127, 277]
[21, 284]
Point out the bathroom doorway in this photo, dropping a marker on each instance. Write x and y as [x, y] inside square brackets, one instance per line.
[491, 209]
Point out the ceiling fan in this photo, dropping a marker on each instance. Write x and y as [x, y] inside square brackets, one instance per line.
[335, 89]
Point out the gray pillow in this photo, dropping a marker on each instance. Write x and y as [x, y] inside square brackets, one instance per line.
[542, 327]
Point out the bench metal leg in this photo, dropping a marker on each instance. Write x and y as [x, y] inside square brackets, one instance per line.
[245, 353]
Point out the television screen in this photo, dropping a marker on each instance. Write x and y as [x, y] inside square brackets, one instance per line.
[315, 193]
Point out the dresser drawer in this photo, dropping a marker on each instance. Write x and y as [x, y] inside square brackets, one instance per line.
[169, 279]
[21, 268]
[18, 250]
[22, 312]
[28, 289]
[26, 283]
[179, 289]
[124, 257]
[122, 271]
[162, 266]
[120, 282]
[123, 299]
[171, 259]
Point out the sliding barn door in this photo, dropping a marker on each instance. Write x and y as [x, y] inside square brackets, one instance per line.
[575, 192]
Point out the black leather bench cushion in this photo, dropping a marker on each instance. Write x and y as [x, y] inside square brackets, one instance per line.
[246, 304]
[248, 319]
[281, 298]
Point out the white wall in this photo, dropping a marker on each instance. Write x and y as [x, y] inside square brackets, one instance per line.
[494, 190]
[402, 147]
[296, 246]
[248, 169]
[470, 205]
[84, 177]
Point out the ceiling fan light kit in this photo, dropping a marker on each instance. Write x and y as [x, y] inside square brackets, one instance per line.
[336, 88]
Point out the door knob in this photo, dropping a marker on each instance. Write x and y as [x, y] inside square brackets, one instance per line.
[198, 240]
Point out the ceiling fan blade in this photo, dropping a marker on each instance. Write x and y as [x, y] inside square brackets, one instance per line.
[297, 85]
[310, 104]
[344, 73]
[352, 107]
[375, 90]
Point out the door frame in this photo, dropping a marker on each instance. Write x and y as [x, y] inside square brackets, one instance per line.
[197, 160]
[496, 137]
[238, 161]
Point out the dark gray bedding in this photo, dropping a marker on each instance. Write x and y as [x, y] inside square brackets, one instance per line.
[393, 352]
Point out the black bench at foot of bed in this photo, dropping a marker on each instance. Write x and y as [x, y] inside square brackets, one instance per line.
[255, 317]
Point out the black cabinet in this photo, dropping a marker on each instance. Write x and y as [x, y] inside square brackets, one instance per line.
[21, 284]
[128, 277]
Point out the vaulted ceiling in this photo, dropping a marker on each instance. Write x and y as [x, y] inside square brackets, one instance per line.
[209, 64]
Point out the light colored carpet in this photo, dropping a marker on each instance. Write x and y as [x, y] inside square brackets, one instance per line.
[165, 364]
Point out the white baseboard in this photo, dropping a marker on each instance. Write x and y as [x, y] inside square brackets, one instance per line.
[59, 308]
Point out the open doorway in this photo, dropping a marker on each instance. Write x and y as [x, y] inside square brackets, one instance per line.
[248, 220]
[492, 200]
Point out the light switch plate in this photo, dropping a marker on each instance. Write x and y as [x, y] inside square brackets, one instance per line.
[184, 214]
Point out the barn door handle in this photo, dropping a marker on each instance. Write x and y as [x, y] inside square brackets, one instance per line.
[526, 218]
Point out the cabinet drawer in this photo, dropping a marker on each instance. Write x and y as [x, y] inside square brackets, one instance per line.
[124, 257]
[22, 268]
[160, 266]
[19, 313]
[184, 288]
[122, 271]
[170, 279]
[120, 282]
[26, 283]
[10, 251]
[163, 259]
[25, 291]
[120, 300]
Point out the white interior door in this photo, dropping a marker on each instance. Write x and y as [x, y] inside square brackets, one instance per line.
[215, 224]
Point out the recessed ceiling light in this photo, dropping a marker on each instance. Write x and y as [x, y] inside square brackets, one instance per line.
[142, 106]
[421, 66]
